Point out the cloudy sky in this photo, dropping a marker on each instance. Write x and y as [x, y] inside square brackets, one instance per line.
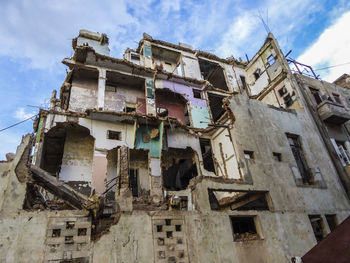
[36, 36]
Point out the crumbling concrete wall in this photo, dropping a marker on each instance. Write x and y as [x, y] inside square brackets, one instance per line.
[223, 151]
[83, 94]
[116, 100]
[77, 157]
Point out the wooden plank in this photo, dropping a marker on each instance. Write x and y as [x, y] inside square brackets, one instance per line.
[58, 188]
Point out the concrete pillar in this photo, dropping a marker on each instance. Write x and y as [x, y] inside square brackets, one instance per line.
[156, 177]
[99, 171]
[101, 88]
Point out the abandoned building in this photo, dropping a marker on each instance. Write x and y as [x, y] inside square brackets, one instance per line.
[173, 154]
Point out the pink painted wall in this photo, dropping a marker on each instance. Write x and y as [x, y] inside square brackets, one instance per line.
[175, 107]
[141, 106]
[99, 173]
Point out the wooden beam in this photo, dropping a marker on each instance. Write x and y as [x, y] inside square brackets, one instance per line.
[58, 188]
[247, 200]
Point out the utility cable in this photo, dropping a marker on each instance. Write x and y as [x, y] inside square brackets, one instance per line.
[333, 66]
[13, 125]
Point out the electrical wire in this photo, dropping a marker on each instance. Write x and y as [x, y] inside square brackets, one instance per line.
[13, 125]
[333, 66]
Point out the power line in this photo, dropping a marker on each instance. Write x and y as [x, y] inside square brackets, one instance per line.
[334, 66]
[13, 125]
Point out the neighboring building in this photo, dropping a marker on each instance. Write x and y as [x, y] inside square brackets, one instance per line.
[171, 155]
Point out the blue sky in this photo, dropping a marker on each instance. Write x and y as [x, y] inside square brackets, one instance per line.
[36, 36]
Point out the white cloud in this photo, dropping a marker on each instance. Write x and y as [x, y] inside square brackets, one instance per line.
[245, 31]
[330, 49]
[41, 31]
[21, 114]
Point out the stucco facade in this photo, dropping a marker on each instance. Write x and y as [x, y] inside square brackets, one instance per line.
[171, 155]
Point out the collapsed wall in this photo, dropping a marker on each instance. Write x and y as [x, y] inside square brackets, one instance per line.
[169, 155]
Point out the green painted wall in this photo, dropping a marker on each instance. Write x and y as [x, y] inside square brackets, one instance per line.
[154, 145]
[200, 117]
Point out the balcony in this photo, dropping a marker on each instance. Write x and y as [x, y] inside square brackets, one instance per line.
[333, 112]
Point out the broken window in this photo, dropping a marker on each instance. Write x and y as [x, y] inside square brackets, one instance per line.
[277, 157]
[237, 200]
[214, 73]
[248, 154]
[271, 60]
[256, 74]
[197, 94]
[133, 182]
[317, 226]
[216, 106]
[207, 154]
[332, 221]
[114, 135]
[316, 94]
[243, 228]
[244, 83]
[295, 145]
[179, 167]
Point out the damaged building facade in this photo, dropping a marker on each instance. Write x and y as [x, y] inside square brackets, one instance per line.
[175, 155]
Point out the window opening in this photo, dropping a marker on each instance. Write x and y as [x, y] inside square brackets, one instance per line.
[216, 106]
[282, 91]
[343, 153]
[317, 226]
[70, 224]
[295, 145]
[256, 74]
[207, 155]
[197, 94]
[56, 232]
[68, 240]
[178, 168]
[237, 200]
[114, 135]
[214, 73]
[244, 83]
[277, 157]
[243, 228]
[271, 60]
[316, 94]
[82, 231]
[248, 154]
[133, 182]
[135, 57]
[331, 221]
[159, 228]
